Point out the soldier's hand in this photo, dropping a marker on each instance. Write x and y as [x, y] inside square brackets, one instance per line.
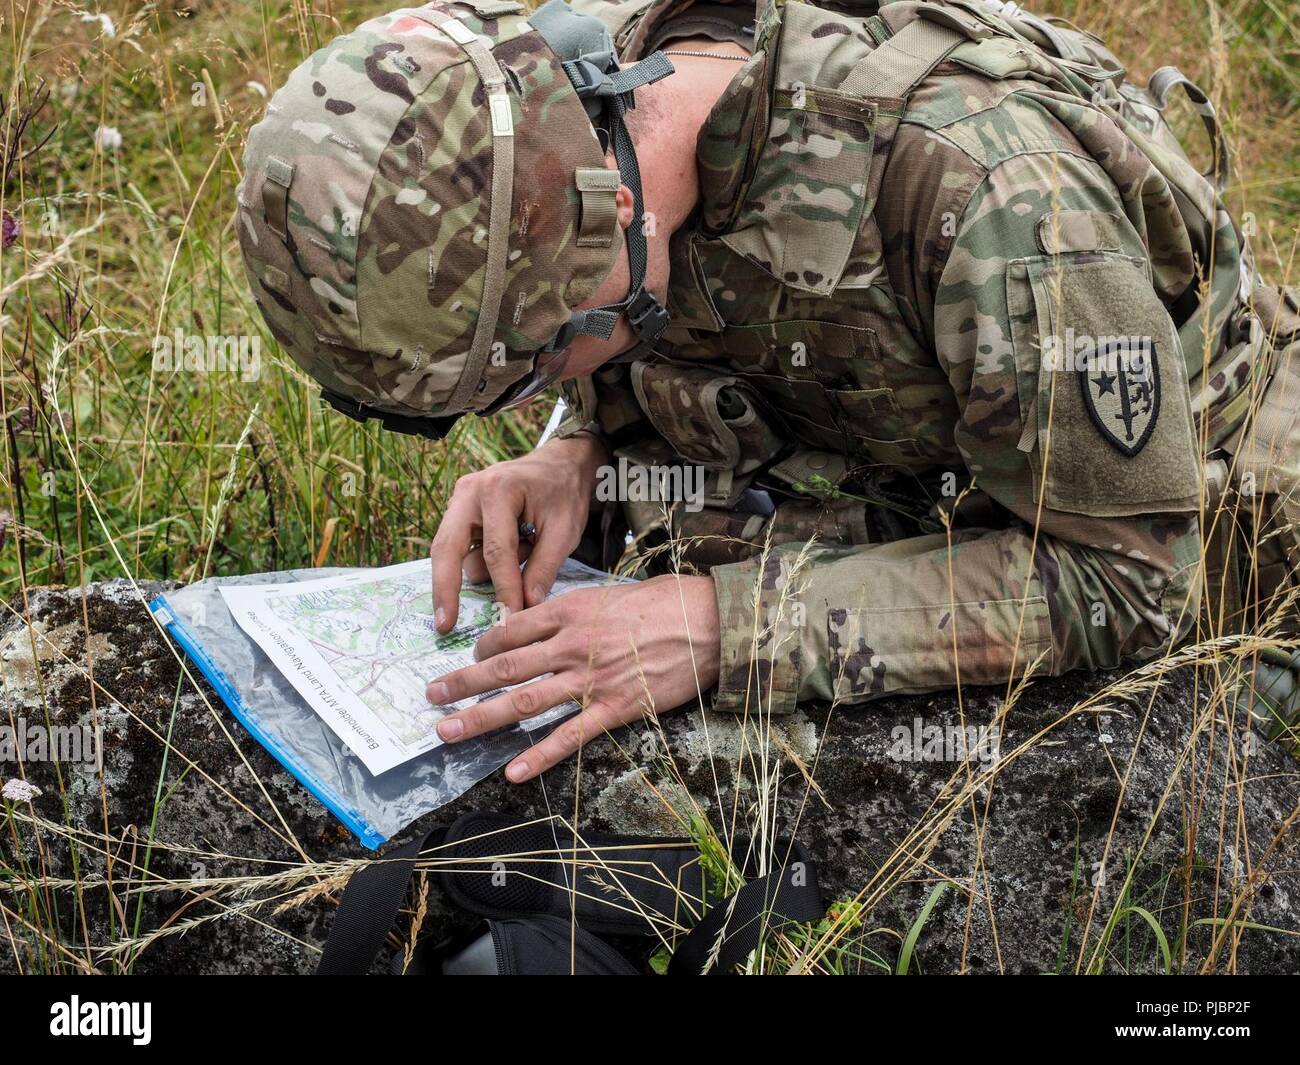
[621, 652]
[551, 488]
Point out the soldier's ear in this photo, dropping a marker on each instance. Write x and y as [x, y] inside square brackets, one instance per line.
[623, 200]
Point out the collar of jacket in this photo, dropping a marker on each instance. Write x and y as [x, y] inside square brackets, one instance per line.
[640, 28]
[726, 149]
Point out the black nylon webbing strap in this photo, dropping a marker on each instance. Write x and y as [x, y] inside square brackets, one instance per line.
[788, 894]
[610, 94]
[431, 428]
[368, 909]
[370, 903]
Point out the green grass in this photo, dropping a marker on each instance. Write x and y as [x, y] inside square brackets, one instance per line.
[152, 449]
[110, 469]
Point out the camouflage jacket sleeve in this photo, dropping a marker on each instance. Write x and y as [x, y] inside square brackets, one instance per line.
[1015, 264]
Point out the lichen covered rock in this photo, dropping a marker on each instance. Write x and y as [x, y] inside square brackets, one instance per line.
[1052, 831]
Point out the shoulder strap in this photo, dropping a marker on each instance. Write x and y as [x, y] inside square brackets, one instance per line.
[369, 907]
[734, 928]
[1166, 79]
[726, 935]
[892, 70]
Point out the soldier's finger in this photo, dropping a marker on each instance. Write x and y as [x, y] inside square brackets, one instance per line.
[552, 548]
[476, 570]
[528, 700]
[501, 551]
[450, 546]
[594, 721]
[519, 630]
[509, 667]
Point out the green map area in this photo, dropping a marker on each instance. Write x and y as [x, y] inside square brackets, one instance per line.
[381, 641]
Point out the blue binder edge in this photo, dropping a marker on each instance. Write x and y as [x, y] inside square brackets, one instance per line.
[364, 831]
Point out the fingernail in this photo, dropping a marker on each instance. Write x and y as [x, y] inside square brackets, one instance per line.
[440, 617]
[437, 692]
[450, 727]
[539, 594]
[516, 771]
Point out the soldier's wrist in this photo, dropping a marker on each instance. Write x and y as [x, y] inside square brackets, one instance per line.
[586, 449]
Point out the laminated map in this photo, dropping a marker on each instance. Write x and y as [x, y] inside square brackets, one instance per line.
[362, 648]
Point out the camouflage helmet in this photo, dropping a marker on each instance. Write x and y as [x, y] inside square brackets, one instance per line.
[427, 201]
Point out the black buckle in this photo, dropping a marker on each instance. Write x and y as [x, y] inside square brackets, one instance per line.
[646, 315]
[587, 78]
[562, 339]
[429, 428]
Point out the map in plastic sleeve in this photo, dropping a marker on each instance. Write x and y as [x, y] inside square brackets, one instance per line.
[362, 648]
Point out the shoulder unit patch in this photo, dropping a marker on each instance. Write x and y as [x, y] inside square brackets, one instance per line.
[1121, 390]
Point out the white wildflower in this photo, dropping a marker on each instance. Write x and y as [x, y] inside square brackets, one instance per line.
[107, 138]
[106, 27]
[257, 87]
[16, 790]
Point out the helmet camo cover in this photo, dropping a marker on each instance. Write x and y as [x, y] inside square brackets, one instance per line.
[365, 207]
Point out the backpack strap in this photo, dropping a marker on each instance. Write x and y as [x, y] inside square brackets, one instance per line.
[498, 866]
[369, 907]
[892, 70]
[536, 882]
[733, 929]
[1168, 78]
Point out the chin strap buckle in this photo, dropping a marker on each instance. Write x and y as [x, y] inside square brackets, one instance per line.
[647, 317]
[590, 79]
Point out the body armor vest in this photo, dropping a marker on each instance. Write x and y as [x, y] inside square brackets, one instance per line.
[792, 364]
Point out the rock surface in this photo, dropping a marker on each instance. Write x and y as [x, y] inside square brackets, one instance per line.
[1063, 822]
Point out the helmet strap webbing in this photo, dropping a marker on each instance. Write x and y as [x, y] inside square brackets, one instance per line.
[607, 92]
[501, 204]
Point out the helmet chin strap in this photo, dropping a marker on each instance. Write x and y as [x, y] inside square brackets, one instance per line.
[607, 93]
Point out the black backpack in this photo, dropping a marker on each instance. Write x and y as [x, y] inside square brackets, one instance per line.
[546, 905]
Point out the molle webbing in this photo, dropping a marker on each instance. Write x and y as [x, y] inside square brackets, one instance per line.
[892, 70]
[502, 197]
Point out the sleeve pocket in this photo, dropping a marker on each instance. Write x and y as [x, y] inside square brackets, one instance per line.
[911, 648]
[1103, 387]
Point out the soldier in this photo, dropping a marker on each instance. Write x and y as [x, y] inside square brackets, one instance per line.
[931, 295]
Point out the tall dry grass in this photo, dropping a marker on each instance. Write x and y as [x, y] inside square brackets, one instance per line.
[132, 120]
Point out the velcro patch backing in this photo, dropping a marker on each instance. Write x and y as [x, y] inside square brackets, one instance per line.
[1063, 232]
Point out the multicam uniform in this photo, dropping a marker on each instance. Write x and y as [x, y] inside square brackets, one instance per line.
[899, 215]
[903, 212]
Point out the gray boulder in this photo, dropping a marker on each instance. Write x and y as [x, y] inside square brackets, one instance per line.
[1062, 838]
